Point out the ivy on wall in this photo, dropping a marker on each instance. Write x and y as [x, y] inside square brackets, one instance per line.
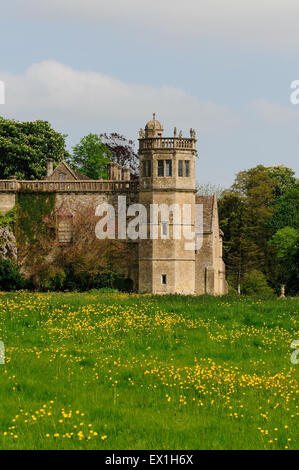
[32, 212]
[9, 219]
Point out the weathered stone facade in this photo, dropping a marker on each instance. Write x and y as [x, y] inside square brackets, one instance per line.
[160, 264]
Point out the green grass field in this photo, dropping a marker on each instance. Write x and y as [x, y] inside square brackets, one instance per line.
[118, 371]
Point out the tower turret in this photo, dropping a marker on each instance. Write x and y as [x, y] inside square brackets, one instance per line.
[153, 128]
[167, 183]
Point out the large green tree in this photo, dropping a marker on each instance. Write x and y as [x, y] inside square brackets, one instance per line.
[25, 147]
[286, 210]
[261, 201]
[282, 177]
[91, 156]
[241, 253]
[286, 243]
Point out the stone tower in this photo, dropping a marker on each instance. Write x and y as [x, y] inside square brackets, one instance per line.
[167, 176]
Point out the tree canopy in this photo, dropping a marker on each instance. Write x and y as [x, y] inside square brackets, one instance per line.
[25, 147]
[91, 156]
[259, 216]
[122, 151]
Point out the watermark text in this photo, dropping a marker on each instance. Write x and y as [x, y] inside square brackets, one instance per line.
[2, 92]
[155, 221]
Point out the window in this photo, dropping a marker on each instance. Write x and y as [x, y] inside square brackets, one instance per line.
[164, 279]
[160, 167]
[62, 176]
[65, 229]
[187, 168]
[168, 168]
[180, 168]
[147, 168]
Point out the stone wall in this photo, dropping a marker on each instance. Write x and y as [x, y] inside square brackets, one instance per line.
[71, 202]
[7, 201]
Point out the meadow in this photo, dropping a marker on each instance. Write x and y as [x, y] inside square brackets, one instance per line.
[125, 371]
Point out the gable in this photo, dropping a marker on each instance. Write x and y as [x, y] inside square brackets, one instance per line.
[63, 172]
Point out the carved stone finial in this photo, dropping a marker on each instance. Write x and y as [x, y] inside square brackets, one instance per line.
[154, 116]
[141, 133]
[282, 291]
[174, 132]
[180, 134]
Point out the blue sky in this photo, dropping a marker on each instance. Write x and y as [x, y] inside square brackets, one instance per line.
[223, 68]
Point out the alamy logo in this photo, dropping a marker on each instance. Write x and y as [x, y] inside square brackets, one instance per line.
[176, 222]
[2, 353]
[295, 94]
[2, 92]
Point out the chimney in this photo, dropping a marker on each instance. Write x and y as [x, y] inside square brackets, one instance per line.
[110, 170]
[126, 173]
[49, 166]
[119, 172]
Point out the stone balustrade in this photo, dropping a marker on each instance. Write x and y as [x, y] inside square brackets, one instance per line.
[69, 186]
[167, 143]
[8, 185]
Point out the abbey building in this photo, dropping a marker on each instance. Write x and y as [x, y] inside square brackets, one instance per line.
[161, 263]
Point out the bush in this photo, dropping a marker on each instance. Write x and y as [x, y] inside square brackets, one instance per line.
[8, 220]
[51, 278]
[54, 280]
[10, 278]
[232, 285]
[255, 283]
[104, 290]
[95, 279]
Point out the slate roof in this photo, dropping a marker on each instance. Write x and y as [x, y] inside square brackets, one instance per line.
[208, 209]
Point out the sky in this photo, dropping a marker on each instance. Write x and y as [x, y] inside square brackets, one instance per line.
[224, 68]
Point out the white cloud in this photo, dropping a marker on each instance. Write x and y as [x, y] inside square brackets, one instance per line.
[58, 93]
[273, 114]
[264, 23]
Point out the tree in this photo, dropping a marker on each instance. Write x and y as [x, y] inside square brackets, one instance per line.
[209, 189]
[262, 201]
[286, 210]
[286, 243]
[122, 151]
[10, 278]
[282, 177]
[25, 147]
[255, 283]
[91, 156]
[257, 185]
[240, 251]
